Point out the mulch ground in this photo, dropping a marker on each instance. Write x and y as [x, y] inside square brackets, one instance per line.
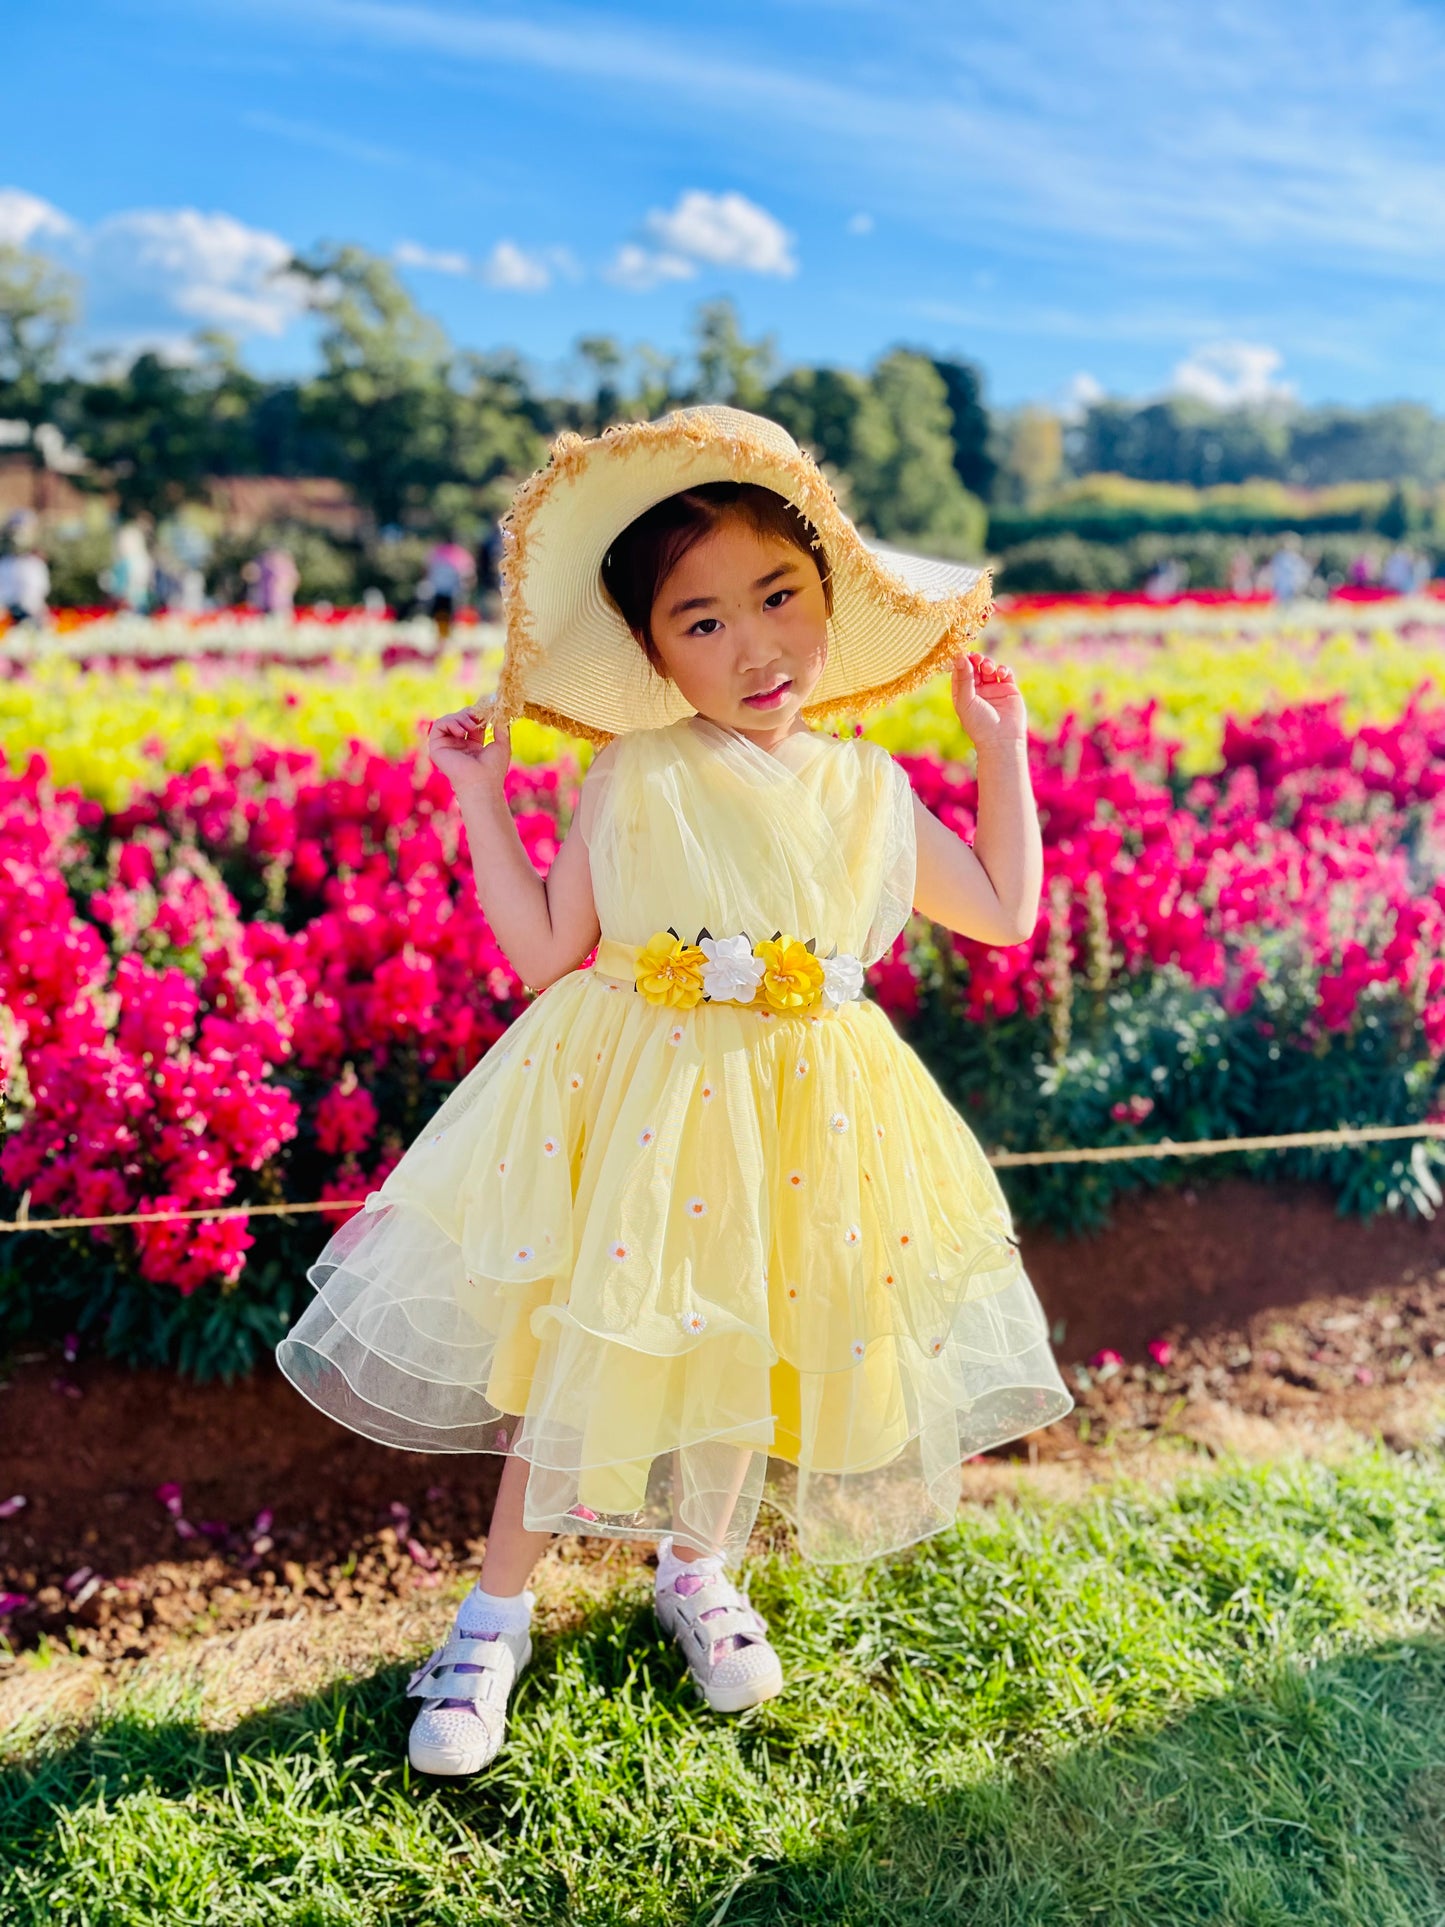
[1280, 1323]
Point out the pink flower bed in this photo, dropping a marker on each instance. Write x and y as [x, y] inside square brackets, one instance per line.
[167, 1048]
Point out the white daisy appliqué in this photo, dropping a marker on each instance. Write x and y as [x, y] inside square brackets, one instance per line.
[935, 1345]
[693, 1321]
[857, 1348]
[549, 1146]
[708, 1093]
[801, 1067]
[696, 1207]
[646, 1135]
[523, 1255]
[619, 1251]
[796, 1179]
[838, 1121]
[676, 1034]
[852, 1235]
[575, 1081]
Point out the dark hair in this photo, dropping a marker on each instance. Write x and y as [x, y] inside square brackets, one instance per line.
[647, 551]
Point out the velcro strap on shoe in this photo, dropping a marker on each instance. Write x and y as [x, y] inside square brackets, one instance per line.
[717, 1592]
[733, 1619]
[438, 1677]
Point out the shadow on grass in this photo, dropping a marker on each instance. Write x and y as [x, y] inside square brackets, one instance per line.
[1312, 1795]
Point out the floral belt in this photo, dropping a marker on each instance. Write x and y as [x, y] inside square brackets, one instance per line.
[778, 973]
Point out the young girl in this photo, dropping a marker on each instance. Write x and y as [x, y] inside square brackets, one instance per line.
[700, 1229]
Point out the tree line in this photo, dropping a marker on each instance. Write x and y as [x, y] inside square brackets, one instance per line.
[432, 437]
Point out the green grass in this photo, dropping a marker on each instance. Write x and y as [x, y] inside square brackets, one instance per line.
[1225, 1704]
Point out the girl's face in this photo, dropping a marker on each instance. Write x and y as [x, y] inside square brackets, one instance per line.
[741, 614]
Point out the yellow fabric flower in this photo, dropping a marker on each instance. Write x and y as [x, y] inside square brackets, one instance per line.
[669, 971]
[792, 975]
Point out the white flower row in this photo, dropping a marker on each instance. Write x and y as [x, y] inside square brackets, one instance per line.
[732, 973]
[298, 639]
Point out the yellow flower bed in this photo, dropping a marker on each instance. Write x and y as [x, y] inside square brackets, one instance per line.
[108, 732]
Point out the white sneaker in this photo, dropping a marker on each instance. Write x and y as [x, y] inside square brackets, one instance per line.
[478, 1669]
[723, 1637]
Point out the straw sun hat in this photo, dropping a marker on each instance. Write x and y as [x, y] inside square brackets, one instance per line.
[571, 661]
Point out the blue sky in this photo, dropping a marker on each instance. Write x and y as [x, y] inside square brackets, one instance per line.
[1081, 195]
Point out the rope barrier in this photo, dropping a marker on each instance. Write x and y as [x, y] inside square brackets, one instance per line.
[1094, 1154]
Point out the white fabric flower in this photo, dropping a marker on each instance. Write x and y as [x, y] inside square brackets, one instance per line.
[842, 978]
[732, 973]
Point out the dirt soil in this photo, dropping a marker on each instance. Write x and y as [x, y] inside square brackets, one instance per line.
[157, 1512]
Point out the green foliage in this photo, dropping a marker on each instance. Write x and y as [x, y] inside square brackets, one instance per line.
[972, 457]
[1186, 440]
[730, 368]
[1024, 1083]
[1063, 565]
[904, 484]
[404, 414]
[157, 429]
[76, 560]
[1069, 564]
[38, 307]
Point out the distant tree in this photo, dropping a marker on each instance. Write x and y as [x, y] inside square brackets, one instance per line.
[604, 360]
[156, 428]
[821, 409]
[382, 396]
[972, 455]
[38, 307]
[1032, 457]
[730, 368]
[1183, 440]
[1401, 441]
[904, 483]
[655, 383]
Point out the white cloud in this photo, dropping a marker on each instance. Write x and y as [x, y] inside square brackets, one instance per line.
[210, 268]
[1231, 373]
[643, 268]
[25, 217]
[860, 223]
[411, 254]
[1081, 391]
[508, 266]
[726, 230]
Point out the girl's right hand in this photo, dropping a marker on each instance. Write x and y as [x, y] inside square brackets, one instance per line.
[455, 745]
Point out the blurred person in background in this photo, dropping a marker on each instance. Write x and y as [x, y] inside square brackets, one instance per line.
[24, 573]
[489, 573]
[1362, 570]
[447, 582]
[1241, 573]
[131, 574]
[274, 584]
[1404, 572]
[1165, 580]
[1287, 571]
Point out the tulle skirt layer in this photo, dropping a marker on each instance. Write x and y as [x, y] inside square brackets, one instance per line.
[685, 1263]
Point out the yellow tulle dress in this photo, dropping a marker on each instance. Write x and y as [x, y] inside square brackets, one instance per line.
[689, 1253]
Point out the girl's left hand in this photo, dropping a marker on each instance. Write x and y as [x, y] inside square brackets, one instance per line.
[989, 702]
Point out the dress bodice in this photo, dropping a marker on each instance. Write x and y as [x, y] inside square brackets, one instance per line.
[694, 826]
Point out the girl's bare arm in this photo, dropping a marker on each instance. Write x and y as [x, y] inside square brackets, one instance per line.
[990, 890]
[545, 925]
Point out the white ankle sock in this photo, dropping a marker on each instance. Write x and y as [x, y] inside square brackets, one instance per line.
[485, 1612]
[670, 1568]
